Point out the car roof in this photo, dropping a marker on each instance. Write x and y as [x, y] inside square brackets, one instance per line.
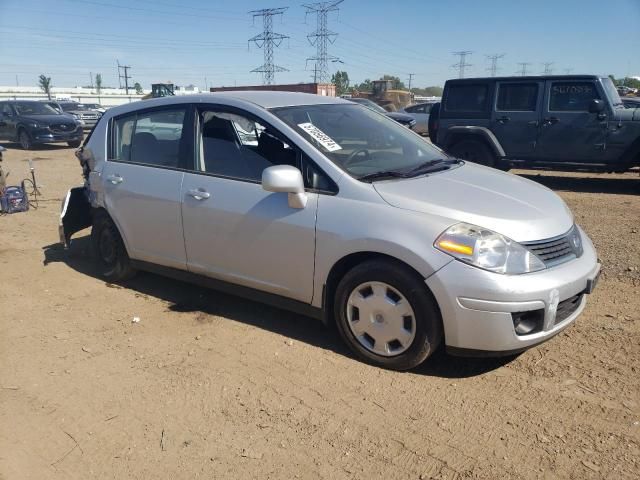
[524, 79]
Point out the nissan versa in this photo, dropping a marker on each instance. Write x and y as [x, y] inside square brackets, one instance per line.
[332, 210]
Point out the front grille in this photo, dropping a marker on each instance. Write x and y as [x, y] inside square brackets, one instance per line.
[567, 307]
[557, 250]
[62, 128]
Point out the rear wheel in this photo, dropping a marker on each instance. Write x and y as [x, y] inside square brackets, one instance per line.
[386, 315]
[473, 151]
[109, 249]
[74, 143]
[25, 140]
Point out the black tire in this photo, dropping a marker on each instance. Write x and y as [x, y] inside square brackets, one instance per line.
[473, 151]
[109, 250]
[25, 140]
[432, 124]
[428, 321]
[75, 143]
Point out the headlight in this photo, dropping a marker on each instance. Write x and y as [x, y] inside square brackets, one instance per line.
[35, 125]
[488, 250]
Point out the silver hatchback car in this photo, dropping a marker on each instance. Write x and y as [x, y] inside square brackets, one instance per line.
[332, 210]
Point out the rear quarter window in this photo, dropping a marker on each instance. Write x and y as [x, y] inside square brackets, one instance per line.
[467, 98]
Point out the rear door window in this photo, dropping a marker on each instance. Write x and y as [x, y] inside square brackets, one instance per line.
[473, 98]
[571, 96]
[149, 138]
[517, 97]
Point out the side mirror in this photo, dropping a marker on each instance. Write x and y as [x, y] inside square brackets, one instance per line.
[285, 179]
[596, 106]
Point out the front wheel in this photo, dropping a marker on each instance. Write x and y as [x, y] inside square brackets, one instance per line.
[25, 140]
[109, 250]
[386, 315]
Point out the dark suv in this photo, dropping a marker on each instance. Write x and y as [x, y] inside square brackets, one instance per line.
[563, 122]
[30, 122]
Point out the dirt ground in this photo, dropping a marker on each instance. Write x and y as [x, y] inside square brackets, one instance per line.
[208, 385]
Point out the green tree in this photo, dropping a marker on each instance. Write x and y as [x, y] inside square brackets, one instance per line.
[428, 91]
[45, 85]
[341, 81]
[138, 88]
[364, 86]
[98, 83]
[396, 83]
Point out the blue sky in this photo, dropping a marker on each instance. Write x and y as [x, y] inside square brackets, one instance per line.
[188, 41]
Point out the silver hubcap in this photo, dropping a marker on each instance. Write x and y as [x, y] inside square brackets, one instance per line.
[381, 319]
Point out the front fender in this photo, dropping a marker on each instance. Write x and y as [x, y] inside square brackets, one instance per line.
[75, 214]
[474, 131]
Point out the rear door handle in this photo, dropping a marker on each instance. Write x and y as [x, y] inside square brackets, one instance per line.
[199, 194]
[551, 120]
[115, 179]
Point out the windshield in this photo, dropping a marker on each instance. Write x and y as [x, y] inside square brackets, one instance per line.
[34, 108]
[611, 91]
[68, 107]
[368, 103]
[359, 140]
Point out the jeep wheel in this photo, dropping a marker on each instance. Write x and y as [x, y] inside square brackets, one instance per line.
[109, 250]
[473, 151]
[74, 143]
[386, 315]
[25, 140]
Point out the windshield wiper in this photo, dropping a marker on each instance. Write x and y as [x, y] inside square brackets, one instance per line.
[431, 166]
[383, 174]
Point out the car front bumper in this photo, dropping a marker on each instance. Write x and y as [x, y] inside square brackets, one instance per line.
[46, 136]
[478, 306]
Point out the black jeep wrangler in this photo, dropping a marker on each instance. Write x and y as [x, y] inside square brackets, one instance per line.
[563, 122]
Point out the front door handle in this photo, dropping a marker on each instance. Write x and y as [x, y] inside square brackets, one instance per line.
[115, 179]
[550, 120]
[503, 120]
[199, 194]
[533, 123]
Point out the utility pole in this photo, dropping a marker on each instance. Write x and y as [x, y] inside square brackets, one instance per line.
[493, 69]
[267, 40]
[91, 77]
[126, 77]
[523, 68]
[17, 83]
[547, 68]
[411, 75]
[315, 73]
[462, 64]
[321, 37]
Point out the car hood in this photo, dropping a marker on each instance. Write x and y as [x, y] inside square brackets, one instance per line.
[49, 119]
[400, 117]
[628, 114]
[513, 206]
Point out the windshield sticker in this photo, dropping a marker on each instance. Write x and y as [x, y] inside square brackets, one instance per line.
[319, 136]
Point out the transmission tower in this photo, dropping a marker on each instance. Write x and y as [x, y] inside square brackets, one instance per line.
[411, 75]
[547, 68]
[494, 62]
[321, 37]
[461, 64]
[523, 68]
[567, 71]
[267, 40]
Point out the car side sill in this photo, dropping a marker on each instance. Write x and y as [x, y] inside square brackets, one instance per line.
[277, 301]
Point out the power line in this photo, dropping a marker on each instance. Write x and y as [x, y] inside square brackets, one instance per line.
[267, 40]
[462, 63]
[321, 37]
[494, 63]
[523, 68]
[547, 68]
